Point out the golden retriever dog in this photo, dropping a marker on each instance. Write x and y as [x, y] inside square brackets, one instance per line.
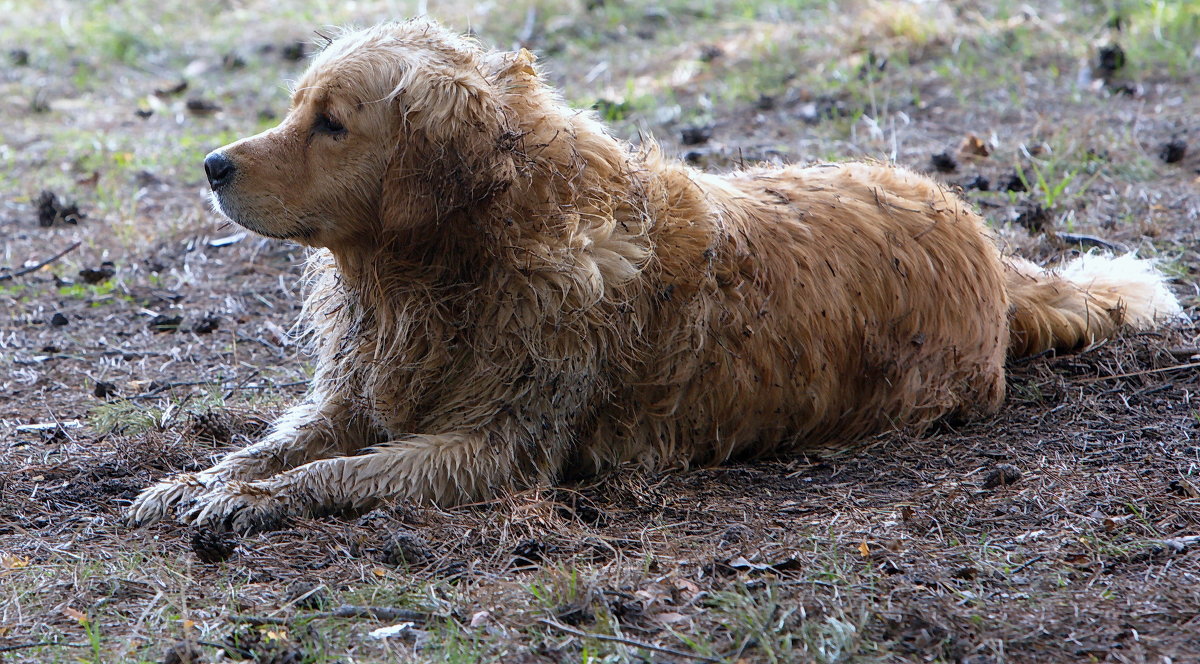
[503, 295]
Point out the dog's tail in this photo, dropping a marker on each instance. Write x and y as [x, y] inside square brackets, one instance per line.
[1084, 302]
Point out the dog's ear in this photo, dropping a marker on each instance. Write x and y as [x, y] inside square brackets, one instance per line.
[447, 164]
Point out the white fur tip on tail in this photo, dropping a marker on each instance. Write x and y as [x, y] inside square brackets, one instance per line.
[1139, 286]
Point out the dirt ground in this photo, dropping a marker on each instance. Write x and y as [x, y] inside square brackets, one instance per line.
[1065, 529]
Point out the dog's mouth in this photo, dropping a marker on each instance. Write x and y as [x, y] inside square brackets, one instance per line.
[228, 207]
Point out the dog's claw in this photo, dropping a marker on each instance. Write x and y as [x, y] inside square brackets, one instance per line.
[237, 506]
[154, 503]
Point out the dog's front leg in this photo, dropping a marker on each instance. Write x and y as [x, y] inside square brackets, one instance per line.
[442, 469]
[310, 430]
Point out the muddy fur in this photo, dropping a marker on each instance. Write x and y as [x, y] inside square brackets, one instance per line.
[504, 295]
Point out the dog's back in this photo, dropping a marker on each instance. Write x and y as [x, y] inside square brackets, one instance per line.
[823, 303]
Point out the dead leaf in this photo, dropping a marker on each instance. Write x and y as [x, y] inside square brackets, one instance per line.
[864, 550]
[973, 146]
[76, 614]
[14, 562]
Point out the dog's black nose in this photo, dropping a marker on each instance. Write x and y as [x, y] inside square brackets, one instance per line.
[219, 169]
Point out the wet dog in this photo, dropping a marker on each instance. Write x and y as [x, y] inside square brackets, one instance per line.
[502, 294]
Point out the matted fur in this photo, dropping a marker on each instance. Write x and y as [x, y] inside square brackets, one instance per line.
[504, 294]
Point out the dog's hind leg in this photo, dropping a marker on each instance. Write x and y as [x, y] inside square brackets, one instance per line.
[442, 469]
[306, 432]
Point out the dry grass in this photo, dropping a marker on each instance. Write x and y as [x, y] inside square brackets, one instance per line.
[896, 549]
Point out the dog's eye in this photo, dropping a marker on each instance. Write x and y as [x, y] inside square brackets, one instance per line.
[324, 124]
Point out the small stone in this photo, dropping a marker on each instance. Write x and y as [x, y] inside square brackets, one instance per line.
[58, 320]
[1002, 475]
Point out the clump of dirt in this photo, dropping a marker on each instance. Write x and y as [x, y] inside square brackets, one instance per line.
[201, 106]
[212, 547]
[53, 212]
[1173, 151]
[207, 325]
[97, 275]
[184, 652]
[103, 389]
[405, 549]
[166, 323]
[1002, 475]
[263, 644]
[305, 594]
[1013, 182]
[944, 162]
[1110, 59]
[695, 134]
[1033, 217]
[529, 553]
[977, 182]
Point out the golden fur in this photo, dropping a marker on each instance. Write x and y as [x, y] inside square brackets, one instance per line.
[505, 294]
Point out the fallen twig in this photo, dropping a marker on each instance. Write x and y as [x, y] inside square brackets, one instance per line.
[345, 611]
[64, 252]
[1179, 544]
[1177, 367]
[158, 392]
[39, 644]
[1088, 241]
[1020, 568]
[629, 642]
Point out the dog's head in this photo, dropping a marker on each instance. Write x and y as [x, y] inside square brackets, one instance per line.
[391, 128]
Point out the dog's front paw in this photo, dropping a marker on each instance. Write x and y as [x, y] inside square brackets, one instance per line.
[155, 502]
[243, 507]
